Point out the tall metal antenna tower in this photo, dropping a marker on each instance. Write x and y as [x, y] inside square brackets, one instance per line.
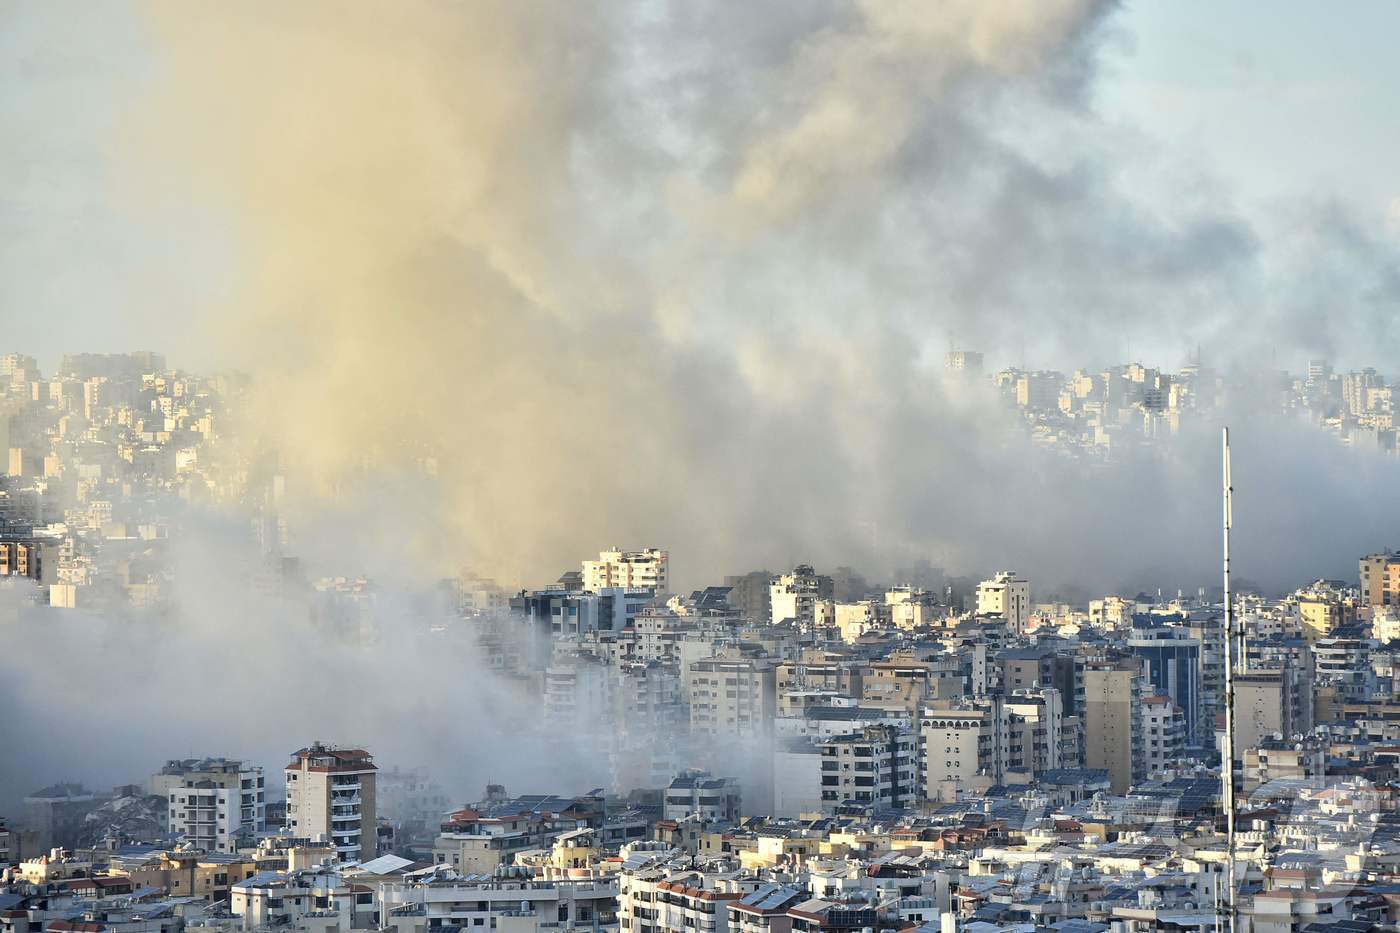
[1227, 768]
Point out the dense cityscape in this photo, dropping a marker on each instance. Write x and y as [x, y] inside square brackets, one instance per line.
[806, 749]
[808, 466]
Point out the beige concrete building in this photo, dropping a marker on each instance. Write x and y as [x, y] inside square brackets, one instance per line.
[731, 696]
[1380, 580]
[1270, 703]
[961, 750]
[911, 607]
[802, 597]
[1112, 723]
[1323, 607]
[1008, 596]
[331, 792]
[645, 569]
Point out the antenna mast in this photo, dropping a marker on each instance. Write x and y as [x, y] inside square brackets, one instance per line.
[1227, 770]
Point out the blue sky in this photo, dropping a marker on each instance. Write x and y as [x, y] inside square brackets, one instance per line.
[1280, 100]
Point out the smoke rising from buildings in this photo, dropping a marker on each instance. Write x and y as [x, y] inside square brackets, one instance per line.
[683, 276]
[629, 273]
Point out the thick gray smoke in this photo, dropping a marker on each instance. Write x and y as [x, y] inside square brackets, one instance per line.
[681, 275]
[244, 662]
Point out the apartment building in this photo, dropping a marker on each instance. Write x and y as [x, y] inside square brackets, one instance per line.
[1270, 703]
[800, 597]
[903, 685]
[766, 910]
[310, 900]
[1324, 606]
[565, 612]
[731, 696]
[1029, 668]
[698, 793]
[1380, 579]
[910, 607]
[961, 749]
[209, 800]
[1174, 667]
[660, 900]
[877, 767]
[1164, 733]
[1112, 723]
[512, 901]
[1034, 721]
[1008, 596]
[644, 569]
[331, 792]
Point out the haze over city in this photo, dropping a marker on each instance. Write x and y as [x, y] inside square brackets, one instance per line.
[622, 402]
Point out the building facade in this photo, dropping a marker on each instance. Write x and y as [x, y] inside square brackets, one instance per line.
[331, 792]
[209, 800]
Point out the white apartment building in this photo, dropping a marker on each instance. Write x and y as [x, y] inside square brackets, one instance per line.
[645, 569]
[653, 898]
[512, 902]
[331, 792]
[1008, 596]
[311, 900]
[209, 800]
[802, 597]
[877, 766]
[1163, 734]
[698, 793]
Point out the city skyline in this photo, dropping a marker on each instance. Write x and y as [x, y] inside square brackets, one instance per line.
[816, 466]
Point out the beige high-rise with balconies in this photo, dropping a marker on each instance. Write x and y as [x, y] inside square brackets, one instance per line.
[645, 569]
[331, 792]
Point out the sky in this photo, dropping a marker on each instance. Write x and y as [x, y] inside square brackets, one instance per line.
[1264, 105]
[1279, 100]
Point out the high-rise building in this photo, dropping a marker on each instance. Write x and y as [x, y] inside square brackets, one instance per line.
[731, 696]
[209, 800]
[750, 594]
[1112, 723]
[1380, 579]
[876, 767]
[1034, 722]
[331, 792]
[1164, 734]
[1174, 668]
[1008, 596]
[969, 361]
[1268, 704]
[649, 569]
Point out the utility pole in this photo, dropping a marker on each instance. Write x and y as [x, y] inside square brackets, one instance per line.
[1227, 769]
